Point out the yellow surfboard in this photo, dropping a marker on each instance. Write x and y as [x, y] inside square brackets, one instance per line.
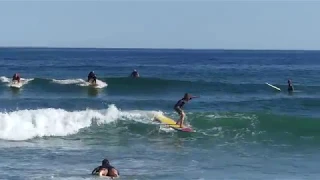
[171, 123]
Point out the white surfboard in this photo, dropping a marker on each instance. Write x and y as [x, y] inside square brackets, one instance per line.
[15, 84]
[274, 87]
[98, 85]
[91, 84]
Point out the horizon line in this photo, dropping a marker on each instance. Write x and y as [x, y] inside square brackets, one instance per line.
[144, 48]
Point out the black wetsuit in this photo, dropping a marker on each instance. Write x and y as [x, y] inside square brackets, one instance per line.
[109, 167]
[178, 106]
[134, 74]
[91, 75]
[290, 87]
[16, 78]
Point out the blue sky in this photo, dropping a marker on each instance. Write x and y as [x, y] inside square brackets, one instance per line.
[161, 24]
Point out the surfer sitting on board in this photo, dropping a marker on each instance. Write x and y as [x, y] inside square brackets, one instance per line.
[92, 76]
[290, 86]
[134, 74]
[106, 170]
[178, 108]
[16, 77]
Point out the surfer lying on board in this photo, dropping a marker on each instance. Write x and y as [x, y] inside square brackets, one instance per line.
[134, 74]
[106, 170]
[290, 86]
[16, 77]
[178, 107]
[92, 76]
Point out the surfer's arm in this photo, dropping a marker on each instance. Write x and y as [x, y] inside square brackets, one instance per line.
[194, 97]
[95, 171]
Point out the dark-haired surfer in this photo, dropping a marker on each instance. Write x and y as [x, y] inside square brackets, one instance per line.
[134, 74]
[92, 76]
[106, 170]
[178, 107]
[16, 77]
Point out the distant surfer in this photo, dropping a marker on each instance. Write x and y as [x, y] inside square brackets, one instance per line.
[16, 77]
[106, 170]
[92, 77]
[178, 107]
[290, 86]
[134, 74]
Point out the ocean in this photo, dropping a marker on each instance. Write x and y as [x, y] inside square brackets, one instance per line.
[57, 127]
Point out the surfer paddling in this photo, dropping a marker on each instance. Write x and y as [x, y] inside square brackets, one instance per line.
[178, 107]
[16, 78]
[106, 170]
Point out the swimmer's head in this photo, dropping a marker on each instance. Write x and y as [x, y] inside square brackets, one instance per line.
[105, 162]
[187, 96]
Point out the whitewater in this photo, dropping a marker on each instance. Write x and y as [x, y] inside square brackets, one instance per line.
[28, 124]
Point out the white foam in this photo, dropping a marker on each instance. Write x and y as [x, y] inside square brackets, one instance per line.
[237, 116]
[81, 82]
[27, 124]
[9, 82]
[166, 129]
[68, 81]
[4, 79]
[99, 84]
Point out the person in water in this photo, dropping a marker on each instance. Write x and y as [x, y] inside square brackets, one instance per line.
[135, 74]
[16, 77]
[178, 108]
[92, 76]
[106, 170]
[290, 86]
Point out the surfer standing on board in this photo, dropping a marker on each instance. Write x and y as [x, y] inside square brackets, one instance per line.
[106, 170]
[16, 77]
[92, 76]
[290, 86]
[178, 107]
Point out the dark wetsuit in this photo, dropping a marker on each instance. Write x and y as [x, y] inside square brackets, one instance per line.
[134, 74]
[91, 75]
[290, 87]
[178, 106]
[107, 166]
[16, 78]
